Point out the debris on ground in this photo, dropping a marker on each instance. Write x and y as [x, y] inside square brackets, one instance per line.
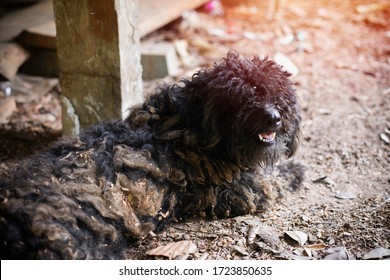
[339, 52]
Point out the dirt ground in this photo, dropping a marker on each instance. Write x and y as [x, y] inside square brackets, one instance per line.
[342, 52]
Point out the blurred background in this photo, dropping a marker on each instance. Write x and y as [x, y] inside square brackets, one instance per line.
[337, 51]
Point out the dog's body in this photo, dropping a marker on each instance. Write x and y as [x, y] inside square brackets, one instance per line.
[190, 150]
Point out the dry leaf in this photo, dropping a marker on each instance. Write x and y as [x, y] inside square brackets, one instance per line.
[298, 236]
[298, 252]
[241, 249]
[326, 180]
[252, 232]
[345, 195]
[385, 138]
[286, 62]
[203, 256]
[290, 256]
[268, 234]
[338, 253]
[174, 250]
[265, 247]
[307, 252]
[377, 253]
[318, 246]
[7, 107]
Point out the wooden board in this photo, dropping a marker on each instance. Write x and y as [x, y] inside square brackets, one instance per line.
[42, 35]
[12, 24]
[155, 14]
[34, 26]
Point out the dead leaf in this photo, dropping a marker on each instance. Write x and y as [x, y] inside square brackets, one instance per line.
[241, 249]
[269, 234]
[307, 252]
[266, 233]
[263, 246]
[298, 236]
[338, 253]
[174, 250]
[318, 246]
[310, 250]
[7, 107]
[324, 111]
[298, 252]
[324, 180]
[286, 62]
[385, 138]
[252, 232]
[290, 256]
[345, 195]
[203, 256]
[377, 253]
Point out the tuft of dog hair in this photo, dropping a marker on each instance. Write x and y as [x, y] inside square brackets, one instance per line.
[199, 148]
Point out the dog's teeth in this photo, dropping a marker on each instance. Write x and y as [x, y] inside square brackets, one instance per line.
[266, 138]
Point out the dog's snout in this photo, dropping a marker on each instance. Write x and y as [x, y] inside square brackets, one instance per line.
[272, 117]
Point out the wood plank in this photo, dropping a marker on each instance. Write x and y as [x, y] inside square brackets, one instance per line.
[155, 14]
[42, 35]
[34, 26]
[12, 24]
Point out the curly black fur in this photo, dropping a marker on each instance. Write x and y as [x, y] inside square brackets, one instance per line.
[194, 148]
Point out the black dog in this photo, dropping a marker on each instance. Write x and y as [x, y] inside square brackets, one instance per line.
[193, 149]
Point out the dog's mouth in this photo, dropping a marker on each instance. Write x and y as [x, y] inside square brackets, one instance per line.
[267, 137]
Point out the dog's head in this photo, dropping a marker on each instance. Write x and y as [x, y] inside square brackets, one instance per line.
[244, 110]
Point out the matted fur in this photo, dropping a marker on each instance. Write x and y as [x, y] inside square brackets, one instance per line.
[192, 149]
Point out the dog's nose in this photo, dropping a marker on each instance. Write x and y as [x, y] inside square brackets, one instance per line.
[272, 117]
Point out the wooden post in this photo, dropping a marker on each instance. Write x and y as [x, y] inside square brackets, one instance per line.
[98, 46]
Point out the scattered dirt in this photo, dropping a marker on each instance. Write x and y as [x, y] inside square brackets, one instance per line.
[343, 58]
